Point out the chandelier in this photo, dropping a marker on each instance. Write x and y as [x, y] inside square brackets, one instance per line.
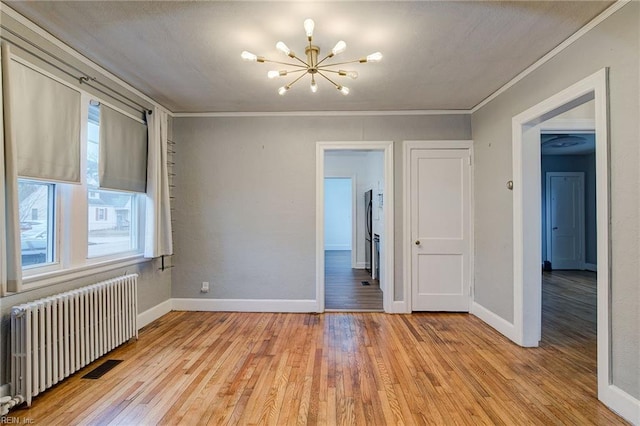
[312, 66]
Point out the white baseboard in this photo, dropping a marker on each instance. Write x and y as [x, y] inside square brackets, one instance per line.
[339, 247]
[361, 265]
[623, 404]
[500, 324]
[154, 313]
[245, 305]
[591, 267]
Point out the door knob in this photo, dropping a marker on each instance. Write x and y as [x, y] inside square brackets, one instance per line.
[417, 242]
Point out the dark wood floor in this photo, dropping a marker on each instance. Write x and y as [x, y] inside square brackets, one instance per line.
[197, 368]
[343, 285]
[569, 312]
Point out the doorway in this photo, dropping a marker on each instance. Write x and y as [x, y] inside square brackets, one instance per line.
[364, 180]
[527, 216]
[569, 280]
[348, 285]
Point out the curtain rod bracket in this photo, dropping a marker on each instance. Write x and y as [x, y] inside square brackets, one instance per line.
[86, 79]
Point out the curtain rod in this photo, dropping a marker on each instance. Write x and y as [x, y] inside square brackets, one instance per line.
[82, 79]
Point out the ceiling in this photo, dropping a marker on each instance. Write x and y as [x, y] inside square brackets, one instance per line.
[568, 143]
[437, 54]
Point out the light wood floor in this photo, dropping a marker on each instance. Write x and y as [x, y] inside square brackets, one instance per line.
[343, 287]
[192, 368]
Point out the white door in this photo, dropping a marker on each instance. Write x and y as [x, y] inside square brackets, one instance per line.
[439, 191]
[565, 220]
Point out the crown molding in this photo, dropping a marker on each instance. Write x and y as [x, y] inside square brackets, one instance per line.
[562, 46]
[321, 113]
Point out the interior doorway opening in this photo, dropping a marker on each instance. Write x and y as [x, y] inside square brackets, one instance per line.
[369, 165]
[569, 233]
[352, 216]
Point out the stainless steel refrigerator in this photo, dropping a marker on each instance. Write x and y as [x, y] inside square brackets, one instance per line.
[368, 244]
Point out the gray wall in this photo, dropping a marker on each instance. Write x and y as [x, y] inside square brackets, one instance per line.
[574, 163]
[245, 198]
[614, 44]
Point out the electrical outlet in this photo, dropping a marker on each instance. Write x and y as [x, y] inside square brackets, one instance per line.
[205, 287]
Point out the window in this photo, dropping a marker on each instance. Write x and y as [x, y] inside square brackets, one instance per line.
[37, 224]
[55, 236]
[69, 222]
[110, 213]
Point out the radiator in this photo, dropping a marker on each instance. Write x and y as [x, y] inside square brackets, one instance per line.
[54, 337]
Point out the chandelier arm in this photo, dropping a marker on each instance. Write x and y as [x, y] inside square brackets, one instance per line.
[328, 70]
[324, 59]
[304, 67]
[330, 81]
[305, 64]
[300, 70]
[296, 80]
[341, 63]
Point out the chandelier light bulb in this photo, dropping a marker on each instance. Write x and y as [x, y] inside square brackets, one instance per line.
[314, 85]
[344, 90]
[283, 90]
[308, 27]
[283, 48]
[374, 57]
[340, 47]
[273, 74]
[351, 74]
[248, 56]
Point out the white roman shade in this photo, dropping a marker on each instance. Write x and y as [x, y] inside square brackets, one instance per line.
[45, 122]
[123, 152]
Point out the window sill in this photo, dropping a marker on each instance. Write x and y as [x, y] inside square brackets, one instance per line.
[56, 277]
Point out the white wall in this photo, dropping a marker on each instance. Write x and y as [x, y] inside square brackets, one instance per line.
[338, 217]
[615, 44]
[245, 198]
